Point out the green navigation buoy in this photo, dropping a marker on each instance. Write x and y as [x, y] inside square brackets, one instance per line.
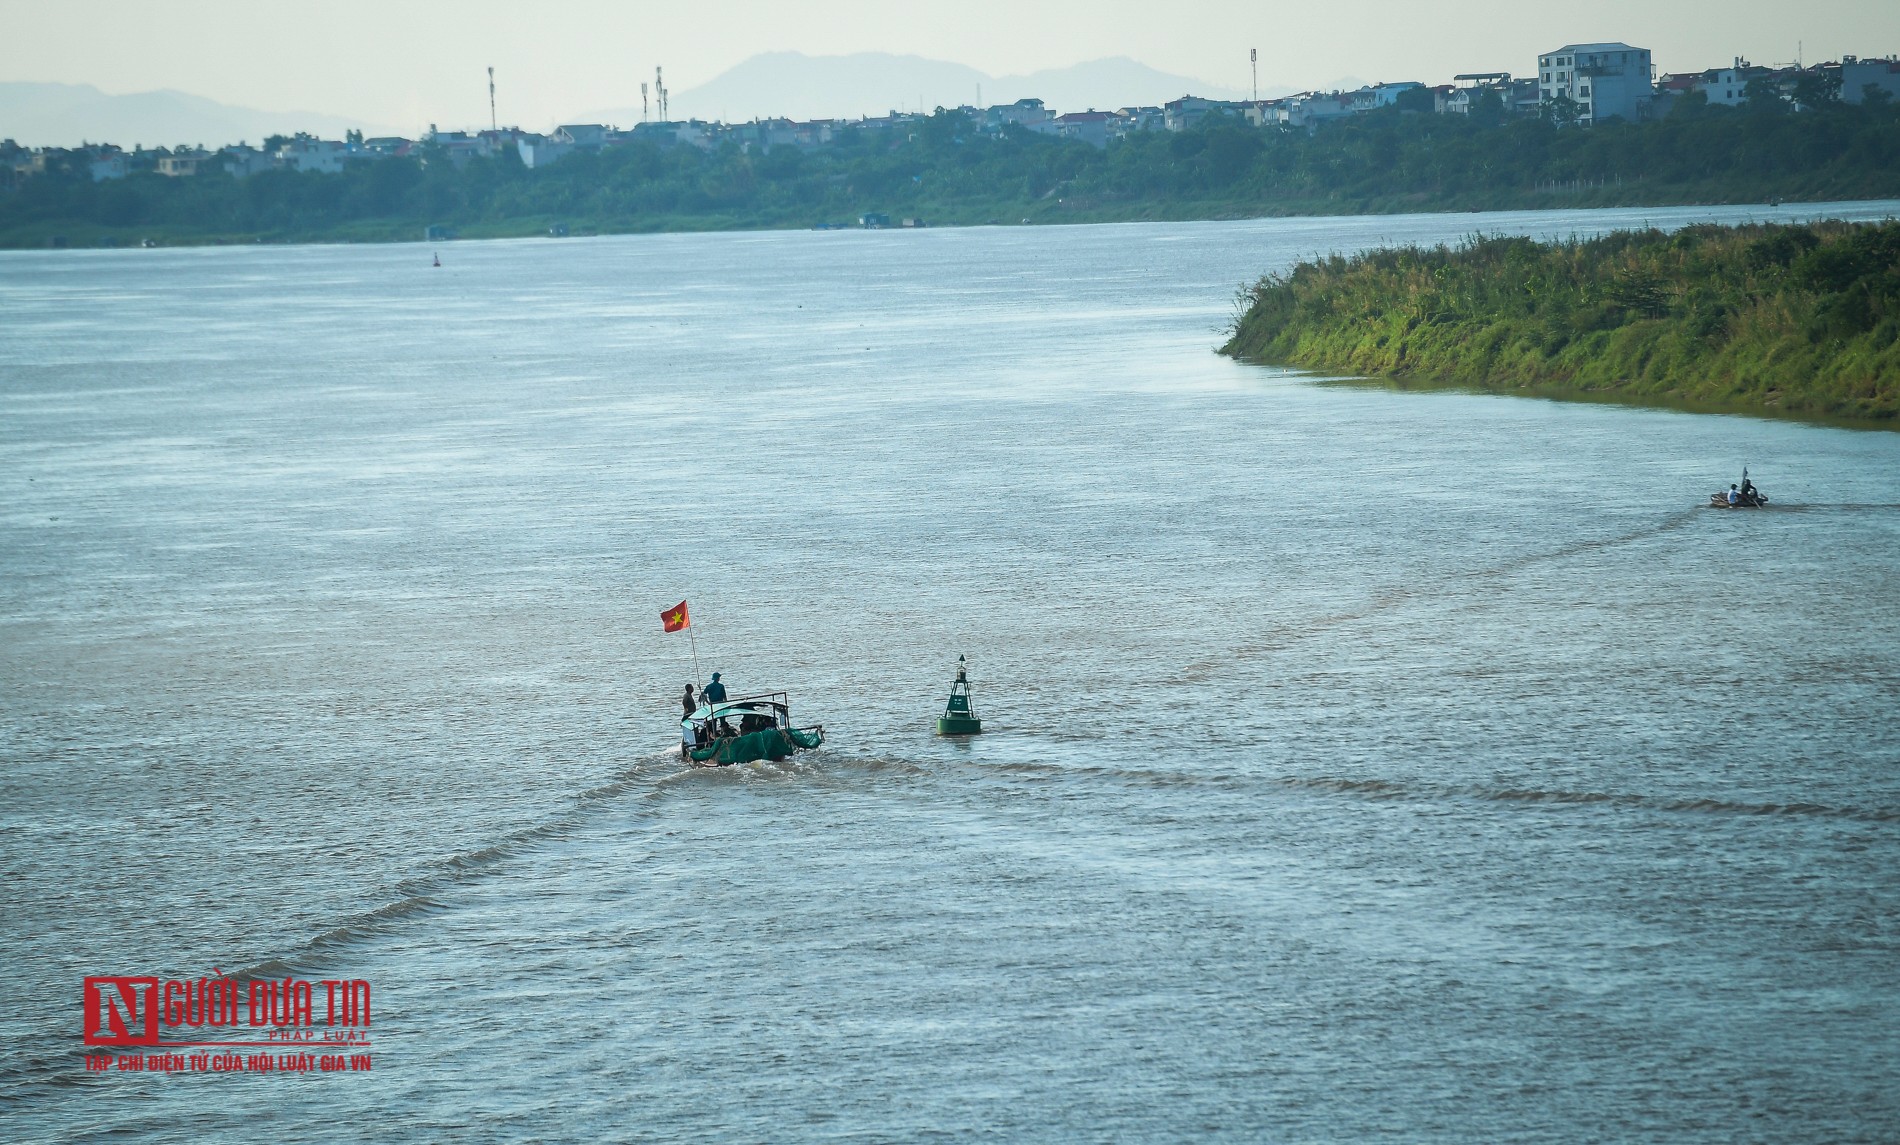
[959, 717]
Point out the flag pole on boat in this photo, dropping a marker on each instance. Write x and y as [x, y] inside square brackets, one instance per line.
[676, 618]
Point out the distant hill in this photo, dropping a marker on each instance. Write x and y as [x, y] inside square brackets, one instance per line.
[64, 115]
[874, 83]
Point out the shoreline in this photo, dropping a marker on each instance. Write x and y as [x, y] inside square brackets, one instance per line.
[404, 233]
[1403, 383]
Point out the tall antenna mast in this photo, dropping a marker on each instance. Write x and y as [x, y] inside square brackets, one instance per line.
[493, 125]
[643, 103]
[1253, 57]
[659, 94]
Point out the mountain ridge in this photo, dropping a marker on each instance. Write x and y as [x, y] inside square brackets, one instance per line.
[65, 115]
[772, 84]
[798, 86]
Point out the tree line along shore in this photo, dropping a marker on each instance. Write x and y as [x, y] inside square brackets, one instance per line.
[945, 173]
[1799, 321]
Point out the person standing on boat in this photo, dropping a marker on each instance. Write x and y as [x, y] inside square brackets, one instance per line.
[692, 733]
[714, 692]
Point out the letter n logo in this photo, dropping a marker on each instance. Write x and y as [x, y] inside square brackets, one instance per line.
[121, 1011]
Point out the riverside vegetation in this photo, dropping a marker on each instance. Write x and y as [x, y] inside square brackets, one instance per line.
[945, 172]
[1794, 320]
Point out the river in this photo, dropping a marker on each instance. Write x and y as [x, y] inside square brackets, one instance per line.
[1360, 763]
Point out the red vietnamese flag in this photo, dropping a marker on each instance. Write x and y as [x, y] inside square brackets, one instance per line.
[675, 618]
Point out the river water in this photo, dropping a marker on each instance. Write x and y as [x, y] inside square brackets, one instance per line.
[1360, 764]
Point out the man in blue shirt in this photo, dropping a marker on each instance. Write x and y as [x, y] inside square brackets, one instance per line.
[713, 693]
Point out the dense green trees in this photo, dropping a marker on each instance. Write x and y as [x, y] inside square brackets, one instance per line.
[1801, 320]
[943, 170]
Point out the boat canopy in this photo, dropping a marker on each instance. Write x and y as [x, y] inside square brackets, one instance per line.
[774, 706]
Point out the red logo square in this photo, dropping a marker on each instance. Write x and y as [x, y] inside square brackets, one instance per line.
[121, 1011]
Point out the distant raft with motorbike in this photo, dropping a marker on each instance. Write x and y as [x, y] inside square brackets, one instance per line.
[1739, 496]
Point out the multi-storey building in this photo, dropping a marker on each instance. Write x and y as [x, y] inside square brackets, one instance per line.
[308, 153]
[1190, 110]
[1725, 87]
[1378, 95]
[183, 162]
[1091, 126]
[1605, 81]
[1859, 75]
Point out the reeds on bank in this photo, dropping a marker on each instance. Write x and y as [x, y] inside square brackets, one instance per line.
[1798, 320]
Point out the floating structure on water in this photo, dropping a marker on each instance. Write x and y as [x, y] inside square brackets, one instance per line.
[959, 714]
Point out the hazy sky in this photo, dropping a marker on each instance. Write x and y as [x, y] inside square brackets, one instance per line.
[406, 63]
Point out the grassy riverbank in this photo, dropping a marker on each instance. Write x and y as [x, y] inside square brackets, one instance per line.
[947, 173]
[1797, 321]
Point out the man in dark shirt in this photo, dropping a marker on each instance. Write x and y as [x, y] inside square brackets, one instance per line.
[715, 692]
[688, 701]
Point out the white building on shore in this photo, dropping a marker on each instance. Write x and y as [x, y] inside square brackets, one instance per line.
[1605, 81]
[1859, 75]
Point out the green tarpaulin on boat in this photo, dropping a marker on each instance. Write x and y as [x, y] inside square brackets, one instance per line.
[772, 743]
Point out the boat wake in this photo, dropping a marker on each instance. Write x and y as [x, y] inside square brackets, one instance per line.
[1561, 798]
[424, 894]
[1387, 790]
[413, 898]
[1385, 600]
[655, 776]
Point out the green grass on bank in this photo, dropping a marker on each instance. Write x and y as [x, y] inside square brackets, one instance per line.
[1799, 321]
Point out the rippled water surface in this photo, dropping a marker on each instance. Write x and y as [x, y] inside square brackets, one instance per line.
[1361, 764]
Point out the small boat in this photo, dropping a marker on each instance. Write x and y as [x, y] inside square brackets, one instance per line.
[959, 717]
[745, 729]
[1746, 496]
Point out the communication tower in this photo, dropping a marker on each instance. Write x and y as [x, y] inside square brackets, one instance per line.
[493, 125]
